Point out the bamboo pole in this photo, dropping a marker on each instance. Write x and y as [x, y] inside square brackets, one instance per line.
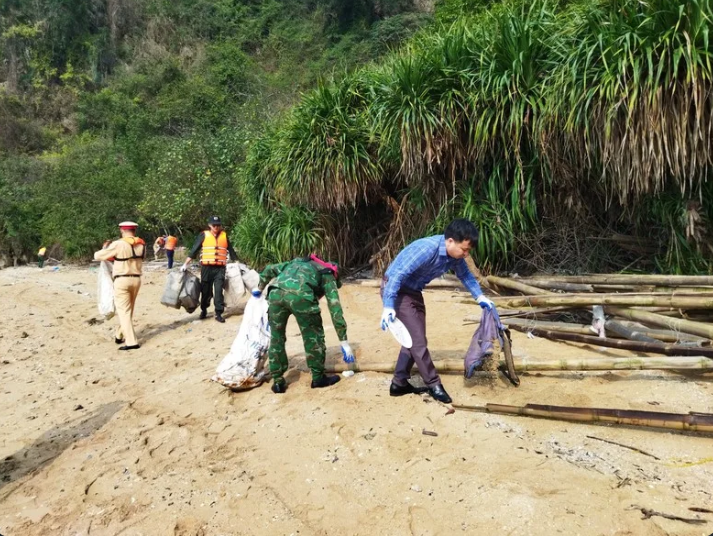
[632, 279]
[552, 365]
[515, 285]
[436, 284]
[691, 422]
[627, 332]
[636, 346]
[677, 324]
[549, 284]
[583, 300]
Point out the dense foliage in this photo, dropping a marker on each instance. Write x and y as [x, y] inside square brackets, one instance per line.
[558, 127]
[575, 133]
[144, 109]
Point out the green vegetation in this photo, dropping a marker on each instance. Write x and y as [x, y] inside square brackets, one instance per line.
[145, 109]
[575, 133]
[534, 119]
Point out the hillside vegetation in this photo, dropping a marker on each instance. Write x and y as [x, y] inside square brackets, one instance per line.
[576, 134]
[144, 109]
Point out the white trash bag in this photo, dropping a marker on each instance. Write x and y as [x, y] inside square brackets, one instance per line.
[243, 367]
[233, 288]
[105, 290]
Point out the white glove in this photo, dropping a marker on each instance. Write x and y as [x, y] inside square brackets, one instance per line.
[184, 268]
[484, 302]
[347, 353]
[387, 316]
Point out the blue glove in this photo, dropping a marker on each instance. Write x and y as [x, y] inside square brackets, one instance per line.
[387, 316]
[347, 353]
[484, 302]
[256, 293]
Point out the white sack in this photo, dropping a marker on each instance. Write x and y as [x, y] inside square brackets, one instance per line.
[243, 367]
[233, 288]
[105, 290]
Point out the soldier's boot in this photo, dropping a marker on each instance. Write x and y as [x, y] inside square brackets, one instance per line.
[325, 381]
[279, 387]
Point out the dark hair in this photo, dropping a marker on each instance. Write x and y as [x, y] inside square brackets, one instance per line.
[461, 230]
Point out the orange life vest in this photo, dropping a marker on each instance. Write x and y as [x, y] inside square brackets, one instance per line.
[171, 242]
[214, 251]
[133, 241]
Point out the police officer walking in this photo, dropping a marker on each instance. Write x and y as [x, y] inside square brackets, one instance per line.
[214, 248]
[128, 255]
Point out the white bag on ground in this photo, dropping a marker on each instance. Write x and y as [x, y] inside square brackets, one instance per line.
[233, 288]
[243, 367]
[105, 290]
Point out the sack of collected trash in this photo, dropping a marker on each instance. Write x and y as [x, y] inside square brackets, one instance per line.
[182, 289]
[190, 295]
[105, 290]
[172, 289]
[233, 288]
[243, 367]
[239, 281]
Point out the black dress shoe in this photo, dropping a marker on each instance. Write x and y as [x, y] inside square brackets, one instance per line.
[132, 347]
[439, 393]
[279, 387]
[203, 316]
[219, 318]
[118, 341]
[398, 390]
[325, 381]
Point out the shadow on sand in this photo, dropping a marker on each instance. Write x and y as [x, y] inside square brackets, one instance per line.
[52, 443]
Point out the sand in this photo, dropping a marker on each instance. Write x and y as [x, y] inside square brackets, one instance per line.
[97, 441]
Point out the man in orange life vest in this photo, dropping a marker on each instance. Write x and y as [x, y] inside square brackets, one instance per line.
[128, 255]
[214, 248]
[170, 246]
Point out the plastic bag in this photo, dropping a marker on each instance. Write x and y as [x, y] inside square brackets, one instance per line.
[172, 289]
[233, 288]
[105, 290]
[251, 278]
[190, 294]
[243, 367]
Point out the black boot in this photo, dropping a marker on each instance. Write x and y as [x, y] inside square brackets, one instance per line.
[439, 393]
[398, 390]
[219, 318]
[204, 314]
[279, 387]
[325, 381]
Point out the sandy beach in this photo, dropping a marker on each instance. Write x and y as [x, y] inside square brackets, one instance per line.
[98, 441]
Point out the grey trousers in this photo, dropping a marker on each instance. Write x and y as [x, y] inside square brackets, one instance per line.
[411, 310]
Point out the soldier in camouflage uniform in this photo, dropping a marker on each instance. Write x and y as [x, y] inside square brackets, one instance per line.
[297, 287]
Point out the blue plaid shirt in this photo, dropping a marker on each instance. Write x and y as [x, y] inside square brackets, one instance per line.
[421, 262]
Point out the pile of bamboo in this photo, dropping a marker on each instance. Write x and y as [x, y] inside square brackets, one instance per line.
[668, 315]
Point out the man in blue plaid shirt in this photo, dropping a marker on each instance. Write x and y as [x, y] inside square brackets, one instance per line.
[417, 265]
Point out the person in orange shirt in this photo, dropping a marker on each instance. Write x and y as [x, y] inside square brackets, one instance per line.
[214, 248]
[158, 246]
[170, 242]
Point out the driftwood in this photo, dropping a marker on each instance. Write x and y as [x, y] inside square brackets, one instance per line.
[552, 365]
[676, 324]
[584, 300]
[633, 279]
[627, 332]
[691, 422]
[635, 346]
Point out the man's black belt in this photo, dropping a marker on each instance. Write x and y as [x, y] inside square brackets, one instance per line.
[127, 275]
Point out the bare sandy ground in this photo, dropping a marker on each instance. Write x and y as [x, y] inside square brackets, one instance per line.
[97, 441]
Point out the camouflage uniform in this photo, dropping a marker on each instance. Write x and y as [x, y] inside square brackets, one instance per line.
[297, 288]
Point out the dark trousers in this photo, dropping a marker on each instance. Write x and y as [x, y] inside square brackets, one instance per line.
[40, 260]
[169, 256]
[411, 310]
[212, 279]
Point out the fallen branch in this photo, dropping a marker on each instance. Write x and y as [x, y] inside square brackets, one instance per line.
[624, 446]
[648, 513]
[691, 422]
[551, 365]
[635, 346]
